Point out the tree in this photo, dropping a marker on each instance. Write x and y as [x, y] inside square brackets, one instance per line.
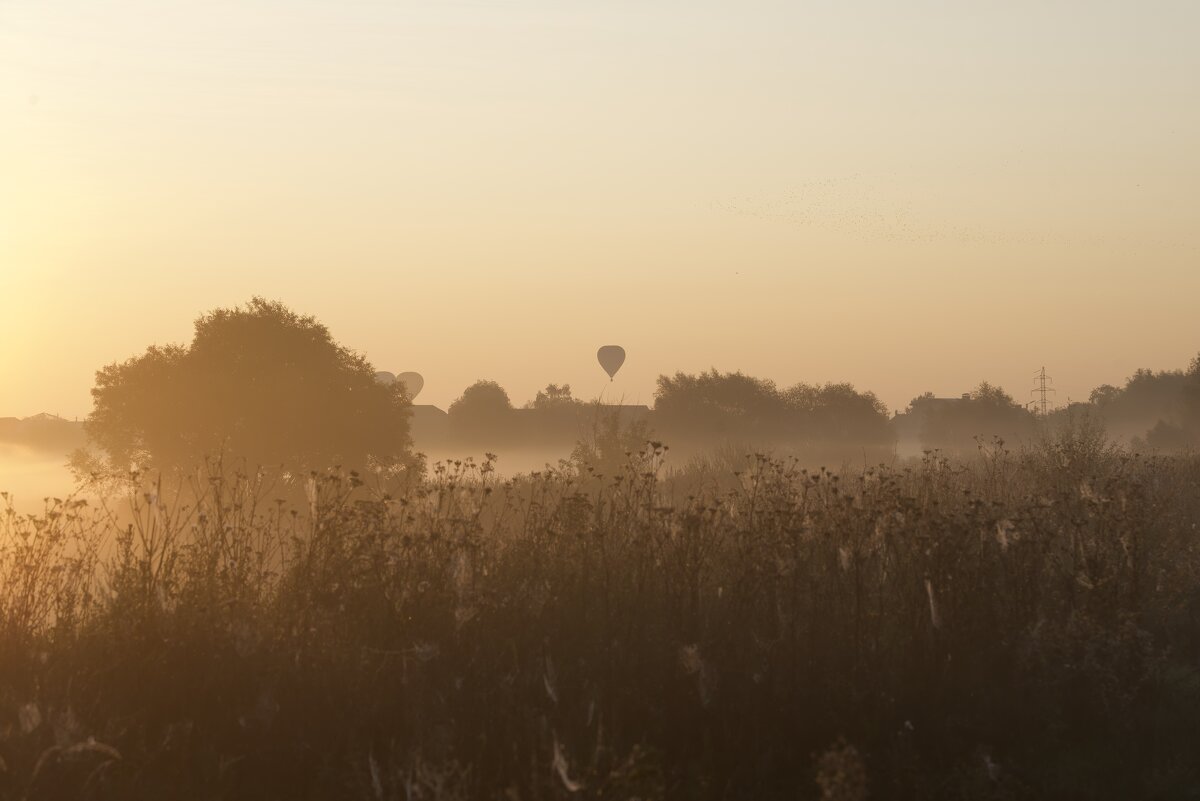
[259, 383]
[1190, 400]
[483, 412]
[716, 406]
[1171, 397]
[1181, 433]
[953, 424]
[553, 418]
[554, 397]
[1103, 395]
[838, 414]
[831, 421]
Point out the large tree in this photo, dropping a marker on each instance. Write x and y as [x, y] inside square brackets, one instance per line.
[258, 382]
[483, 414]
[719, 406]
[839, 414]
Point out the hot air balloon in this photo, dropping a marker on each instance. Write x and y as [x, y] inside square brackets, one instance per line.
[611, 357]
[413, 382]
[385, 378]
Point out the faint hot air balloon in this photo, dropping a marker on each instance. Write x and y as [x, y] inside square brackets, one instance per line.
[413, 382]
[385, 378]
[611, 357]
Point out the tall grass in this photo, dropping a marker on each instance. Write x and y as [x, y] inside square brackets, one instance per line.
[1017, 625]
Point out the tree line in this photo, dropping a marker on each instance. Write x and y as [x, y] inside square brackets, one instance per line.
[262, 383]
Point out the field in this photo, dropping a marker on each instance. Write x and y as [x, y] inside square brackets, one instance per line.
[1020, 624]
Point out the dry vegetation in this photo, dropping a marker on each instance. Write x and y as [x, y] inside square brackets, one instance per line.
[1017, 625]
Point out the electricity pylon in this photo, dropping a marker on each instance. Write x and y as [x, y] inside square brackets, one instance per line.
[1042, 392]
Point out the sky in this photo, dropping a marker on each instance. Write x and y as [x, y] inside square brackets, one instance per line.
[908, 196]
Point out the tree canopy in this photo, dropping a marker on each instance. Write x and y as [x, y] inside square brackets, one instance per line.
[554, 397]
[483, 411]
[718, 405]
[715, 406]
[258, 382]
[1163, 407]
[954, 424]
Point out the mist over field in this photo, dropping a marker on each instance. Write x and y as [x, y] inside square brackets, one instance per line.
[30, 476]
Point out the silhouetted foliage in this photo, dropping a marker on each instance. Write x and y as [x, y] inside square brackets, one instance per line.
[1160, 410]
[838, 414]
[1147, 398]
[1190, 398]
[258, 382]
[554, 397]
[955, 424]
[715, 407]
[483, 413]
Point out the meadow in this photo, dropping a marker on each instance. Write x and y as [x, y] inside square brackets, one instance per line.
[1021, 623]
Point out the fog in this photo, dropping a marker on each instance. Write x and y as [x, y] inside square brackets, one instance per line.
[29, 476]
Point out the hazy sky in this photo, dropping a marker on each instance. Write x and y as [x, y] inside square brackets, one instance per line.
[909, 196]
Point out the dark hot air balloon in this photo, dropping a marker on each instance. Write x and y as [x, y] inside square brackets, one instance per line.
[413, 382]
[611, 357]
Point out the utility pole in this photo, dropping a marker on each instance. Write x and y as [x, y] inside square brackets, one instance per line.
[1042, 391]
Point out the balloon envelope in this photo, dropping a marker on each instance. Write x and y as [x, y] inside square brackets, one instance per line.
[385, 378]
[611, 357]
[413, 382]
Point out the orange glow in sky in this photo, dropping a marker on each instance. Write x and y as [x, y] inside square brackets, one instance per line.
[911, 197]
